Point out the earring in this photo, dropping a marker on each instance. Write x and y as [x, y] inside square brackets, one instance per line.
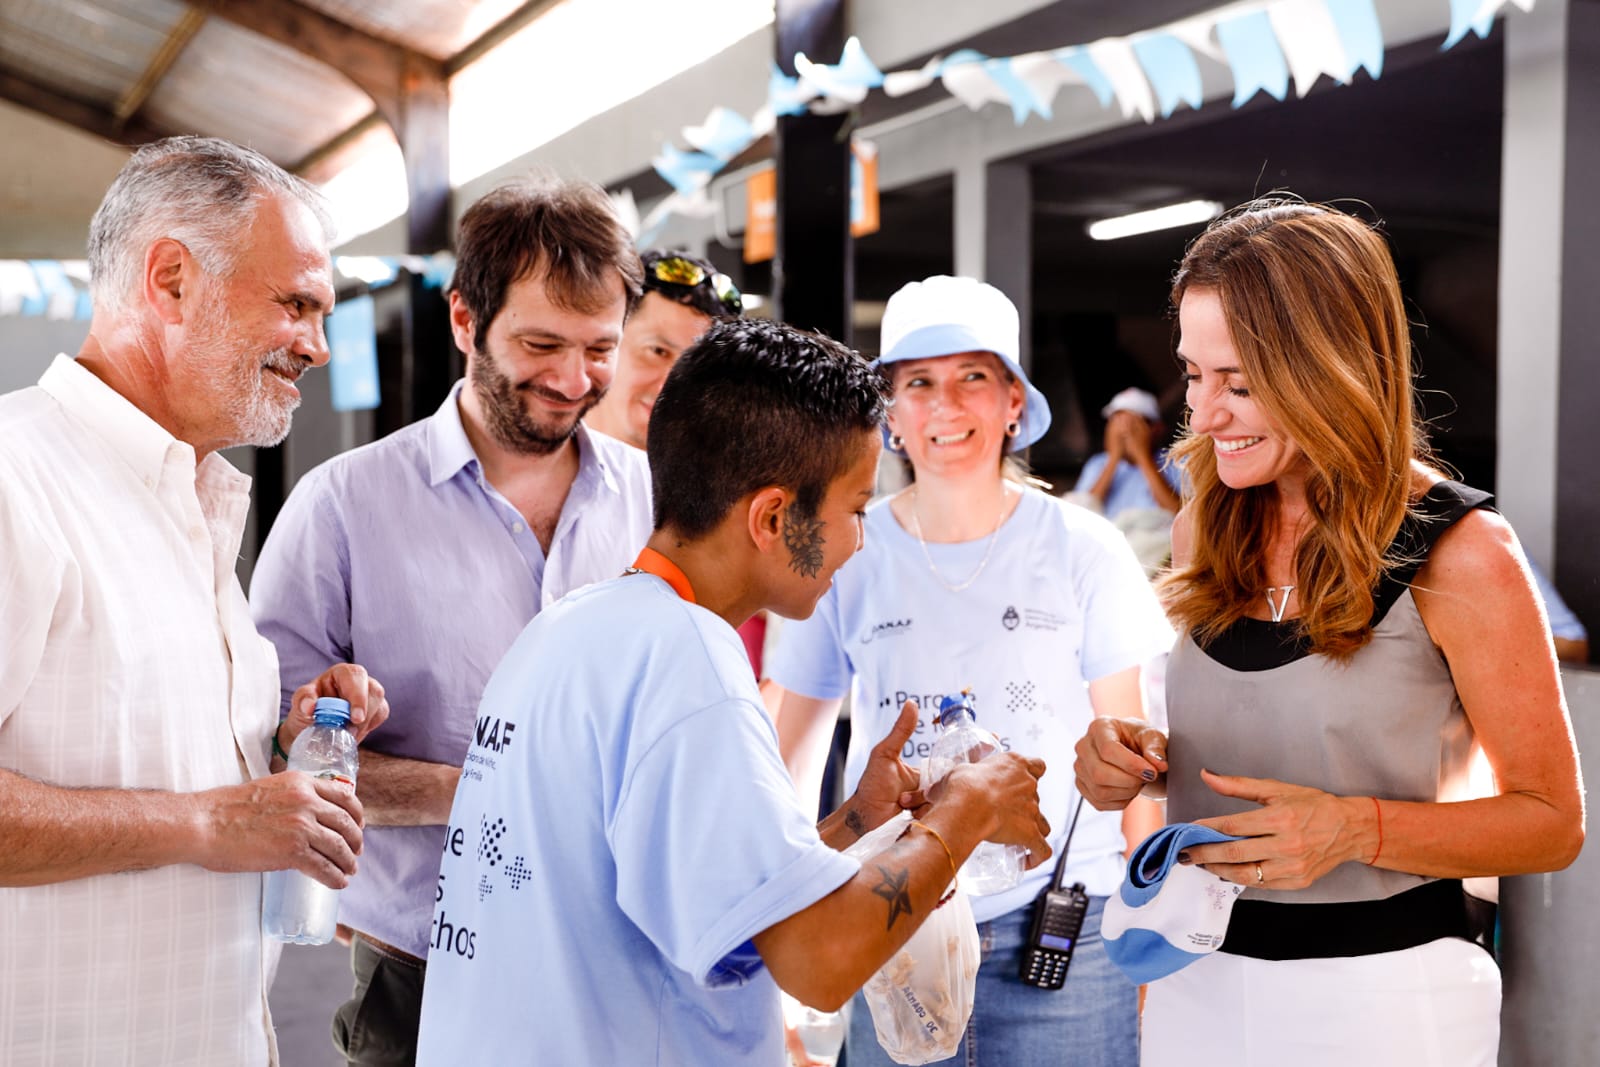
[896, 442]
[1013, 428]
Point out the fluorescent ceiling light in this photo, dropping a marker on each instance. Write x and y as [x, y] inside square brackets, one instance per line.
[1162, 218]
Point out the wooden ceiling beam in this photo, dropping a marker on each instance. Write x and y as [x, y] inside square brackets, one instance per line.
[380, 68]
[411, 92]
[496, 34]
[188, 25]
[327, 159]
[76, 113]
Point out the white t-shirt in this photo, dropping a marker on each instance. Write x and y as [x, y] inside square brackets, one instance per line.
[1060, 602]
[623, 827]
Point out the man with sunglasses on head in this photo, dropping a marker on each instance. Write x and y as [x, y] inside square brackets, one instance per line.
[431, 549]
[683, 296]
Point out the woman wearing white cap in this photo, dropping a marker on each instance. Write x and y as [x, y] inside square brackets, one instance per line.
[973, 579]
[1356, 628]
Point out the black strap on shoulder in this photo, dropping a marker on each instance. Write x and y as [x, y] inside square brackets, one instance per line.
[1258, 645]
[1441, 507]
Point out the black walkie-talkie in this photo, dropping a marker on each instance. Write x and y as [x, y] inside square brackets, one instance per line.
[1057, 919]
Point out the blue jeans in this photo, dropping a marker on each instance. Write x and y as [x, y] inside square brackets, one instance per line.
[1093, 1020]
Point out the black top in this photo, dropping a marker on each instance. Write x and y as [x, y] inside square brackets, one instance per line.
[1259, 645]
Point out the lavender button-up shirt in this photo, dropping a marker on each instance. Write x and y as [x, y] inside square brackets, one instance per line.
[401, 557]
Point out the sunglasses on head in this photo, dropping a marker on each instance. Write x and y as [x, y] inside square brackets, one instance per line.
[675, 270]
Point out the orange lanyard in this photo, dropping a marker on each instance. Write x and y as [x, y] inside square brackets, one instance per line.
[652, 562]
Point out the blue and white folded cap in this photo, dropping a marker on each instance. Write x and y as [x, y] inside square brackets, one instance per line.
[945, 316]
[1166, 915]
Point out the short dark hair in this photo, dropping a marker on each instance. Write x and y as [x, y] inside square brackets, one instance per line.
[569, 229]
[702, 296]
[755, 403]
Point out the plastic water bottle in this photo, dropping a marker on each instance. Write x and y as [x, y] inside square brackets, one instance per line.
[821, 1035]
[297, 908]
[992, 867]
[815, 1037]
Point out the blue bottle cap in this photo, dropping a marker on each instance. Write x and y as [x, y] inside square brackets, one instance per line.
[956, 702]
[334, 709]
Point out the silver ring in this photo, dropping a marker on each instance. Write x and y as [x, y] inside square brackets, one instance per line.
[1260, 878]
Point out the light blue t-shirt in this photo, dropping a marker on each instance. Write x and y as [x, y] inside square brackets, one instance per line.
[1061, 601]
[623, 827]
[1128, 487]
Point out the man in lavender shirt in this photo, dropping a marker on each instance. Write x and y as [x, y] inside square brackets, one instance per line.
[425, 554]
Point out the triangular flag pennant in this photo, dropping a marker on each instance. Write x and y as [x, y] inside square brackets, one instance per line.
[902, 82]
[970, 83]
[1310, 42]
[723, 135]
[685, 171]
[786, 95]
[1474, 15]
[1079, 62]
[1254, 56]
[627, 209]
[1115, 57]
[1360, 36]
[1024, 98]
[1172, 71]
[848, 80]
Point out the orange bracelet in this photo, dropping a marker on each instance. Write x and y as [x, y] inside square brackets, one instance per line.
[1379, 809]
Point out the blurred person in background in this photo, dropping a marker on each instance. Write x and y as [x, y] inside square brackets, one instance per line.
[1571, 636]
[1131, 482]
[428, 551]
[972, 577]
[1132, 472]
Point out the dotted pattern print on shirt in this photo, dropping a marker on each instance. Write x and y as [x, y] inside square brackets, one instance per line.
[485, 887]
[489, 835]
[1019, 697]
[518, 872]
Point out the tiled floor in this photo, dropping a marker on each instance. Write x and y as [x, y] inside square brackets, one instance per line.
[312, 982]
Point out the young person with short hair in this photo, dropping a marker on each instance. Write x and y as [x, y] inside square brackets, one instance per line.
[630, 877]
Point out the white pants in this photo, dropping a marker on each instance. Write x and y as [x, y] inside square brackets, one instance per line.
[1436, 1005]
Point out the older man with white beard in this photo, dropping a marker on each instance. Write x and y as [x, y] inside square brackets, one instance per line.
[139, 723]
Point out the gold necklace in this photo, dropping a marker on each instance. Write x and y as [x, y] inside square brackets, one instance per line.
[916, 528]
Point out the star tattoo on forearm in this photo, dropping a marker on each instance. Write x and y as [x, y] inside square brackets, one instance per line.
[896, 889]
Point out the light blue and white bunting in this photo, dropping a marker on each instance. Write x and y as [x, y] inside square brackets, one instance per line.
[1172, 71]
[1253, 53]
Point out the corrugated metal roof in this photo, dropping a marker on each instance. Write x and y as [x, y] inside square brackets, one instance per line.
[437, 28]
[236, 84]
[91, 50]
[132, 70]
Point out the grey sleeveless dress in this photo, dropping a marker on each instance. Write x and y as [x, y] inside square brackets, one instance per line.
[1387, 723]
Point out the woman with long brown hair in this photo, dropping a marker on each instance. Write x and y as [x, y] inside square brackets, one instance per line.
[1355, 628]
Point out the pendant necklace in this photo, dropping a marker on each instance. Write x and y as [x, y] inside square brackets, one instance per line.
[916, 528]
[1278, 606]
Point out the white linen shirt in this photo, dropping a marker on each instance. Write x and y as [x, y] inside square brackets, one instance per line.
[127, 660]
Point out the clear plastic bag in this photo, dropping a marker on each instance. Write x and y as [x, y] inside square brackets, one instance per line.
[922, 998]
